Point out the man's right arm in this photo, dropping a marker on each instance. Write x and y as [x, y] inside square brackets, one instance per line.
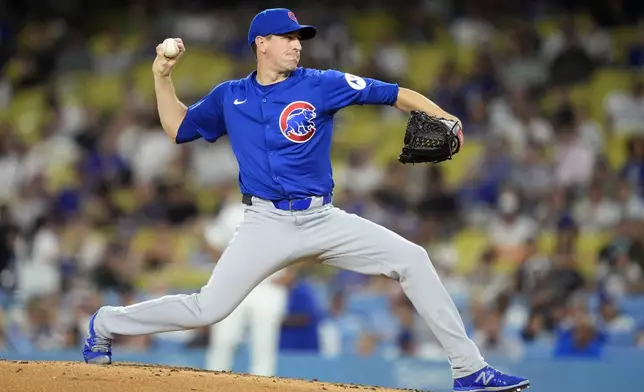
[185, 124]
[171, 110]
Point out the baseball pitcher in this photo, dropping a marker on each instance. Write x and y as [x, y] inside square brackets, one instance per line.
[279, 120]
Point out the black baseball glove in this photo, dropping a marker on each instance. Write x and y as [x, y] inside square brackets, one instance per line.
[430, 139]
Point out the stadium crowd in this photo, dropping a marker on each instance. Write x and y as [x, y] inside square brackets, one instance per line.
[537, 229]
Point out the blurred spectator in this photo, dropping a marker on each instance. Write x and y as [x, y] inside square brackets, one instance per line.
[391, 198]
[40, 326]
[567, 55]
[532, 176]
[518, 121]
[114, 269]
[8, 241]
[633, 170]
[483, 80]
[491, 341]
[340, 330]
[640, 339]
[390, 59]
[558, 288]
[522, 67]
[535, 330]
[581, 339]
[631, 204]
[116, 56]
[551, 209]
[440, 202]
[477, 119]
[405, 313]
[300, 326]
[588, 129]
[625, 109]
[418, 25]
[471, 28]
[153, 156]
[574, 160]
[485, 177]
[598, 43]
[11, 164]
[532, 272]
[361, 174]
[509, 230]
[596, 211]
[486, 285]
[636, 49]
[618, 274]
[449, 91]
[612, 320]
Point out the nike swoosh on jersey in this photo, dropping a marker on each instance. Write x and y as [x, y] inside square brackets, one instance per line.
[238, 102]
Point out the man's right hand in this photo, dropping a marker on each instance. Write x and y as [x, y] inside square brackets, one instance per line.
[162, 65]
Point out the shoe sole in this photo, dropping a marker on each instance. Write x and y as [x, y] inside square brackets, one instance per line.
[100, 360]
[516, 388]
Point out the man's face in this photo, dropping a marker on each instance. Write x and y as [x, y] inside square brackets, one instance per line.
[282, 51]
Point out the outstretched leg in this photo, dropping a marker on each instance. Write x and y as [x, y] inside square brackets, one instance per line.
[350, 242]
[257, 251]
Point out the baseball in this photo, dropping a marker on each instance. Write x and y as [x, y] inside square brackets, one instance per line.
[170, 48]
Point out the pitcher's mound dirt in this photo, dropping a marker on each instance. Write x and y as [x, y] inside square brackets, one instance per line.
[30, 376]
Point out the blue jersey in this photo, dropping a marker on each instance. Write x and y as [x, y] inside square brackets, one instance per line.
[281, 133]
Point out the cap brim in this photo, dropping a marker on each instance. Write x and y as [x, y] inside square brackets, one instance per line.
[307, 32]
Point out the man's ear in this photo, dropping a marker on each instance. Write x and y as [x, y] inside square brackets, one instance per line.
[260, 43]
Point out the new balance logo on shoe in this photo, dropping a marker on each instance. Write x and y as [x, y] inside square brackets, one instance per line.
[485, 378]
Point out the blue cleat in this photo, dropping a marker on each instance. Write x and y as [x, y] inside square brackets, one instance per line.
[489, 379]
[97, 350]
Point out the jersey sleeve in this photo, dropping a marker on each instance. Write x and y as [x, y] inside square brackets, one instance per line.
[342, 89]
[205, 118]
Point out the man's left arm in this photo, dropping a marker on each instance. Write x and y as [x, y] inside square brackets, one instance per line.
[340, 89]
[409, 100]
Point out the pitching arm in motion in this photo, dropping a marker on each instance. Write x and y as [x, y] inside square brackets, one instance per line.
[171, 110]
[204, 119]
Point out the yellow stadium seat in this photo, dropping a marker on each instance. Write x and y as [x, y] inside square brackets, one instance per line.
[616, 150]
[102, 43]
[104, 91]
[59, 177]
[206, 199]
[425, 63]
[143, 81]
[588, 246]
[27, 113]
[546, 242]
[125, 199]
[362, 26]
[547, 26]
[175, 278]
[456, 169]
[465, 58]
[201, 72]
[622, 38]
[605, 81]
[470, 244]
[142, 240]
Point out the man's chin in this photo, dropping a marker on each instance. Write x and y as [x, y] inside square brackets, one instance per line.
[291, 65]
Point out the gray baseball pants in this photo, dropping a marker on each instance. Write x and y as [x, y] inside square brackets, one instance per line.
[270, 239]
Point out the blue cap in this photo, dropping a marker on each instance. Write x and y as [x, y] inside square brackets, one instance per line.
[277, 21]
